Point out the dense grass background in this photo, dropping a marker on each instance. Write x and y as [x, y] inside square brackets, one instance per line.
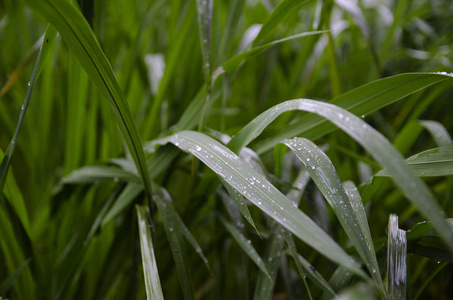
[73, 197]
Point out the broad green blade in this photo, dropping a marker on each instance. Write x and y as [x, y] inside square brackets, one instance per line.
[360, 101]
[326, 178]
[231, 65]
[127, 196]
[373, 141]
[79, 37]
[174, 234]
[260, 192]
[432, 162]
[438, 132]
[91, 174]
[152, 281]
[246, 245]
[284, 8]
[396, 260]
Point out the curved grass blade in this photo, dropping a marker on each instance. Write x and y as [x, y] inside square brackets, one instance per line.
[373, 141]
[432, 162]
[8, 283]
[231, 65]
[152, 281]
[260, 192]
[326, 178]
[99, 173]
[174, 236]
[79, 37]
[396, 260]
[360, 101]
[278, 14]
[246, 245]
[438, 132]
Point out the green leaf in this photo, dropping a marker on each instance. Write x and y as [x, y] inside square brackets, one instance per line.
[360, 101]
[260, 192]
[152, 281]
[438, 132]
[246, 245]
[231, 65]
[373, 141]
[80, 39]
[284, 8]
[174, 233]
[432, 162]
[90, 174]
[353, 220]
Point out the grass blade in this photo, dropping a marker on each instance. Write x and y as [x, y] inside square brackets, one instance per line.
[326, 178]
[373, 141]
[396, 260]
[360, 101]
[231, 65]
[76, 32]
[432, 162]
[280, 12]
[99, 173]
[246, 245]
[260, 192]
[174, 236]
[438, 132]
[152, 281]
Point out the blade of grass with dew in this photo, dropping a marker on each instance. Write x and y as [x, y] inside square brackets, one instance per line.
[232, 64]
[373, 141]
[432, 162]
[438, 132]
[259, 191]
[265, 286]
[280, 12]
[174, 237]
[152, 281]
[240, 202]
[245, 244]
[326, 178]
[396, 260]
[360, 101]
[76, 32]
[10, 150]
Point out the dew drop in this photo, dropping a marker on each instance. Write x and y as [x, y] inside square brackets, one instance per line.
[116, 179]
[249, 242]
[313, 167]
[22, 107]
[171, 229]
[259, 203]
[198, 148]
[29, 84]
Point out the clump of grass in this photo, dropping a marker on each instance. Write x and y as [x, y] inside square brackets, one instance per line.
[157, 152]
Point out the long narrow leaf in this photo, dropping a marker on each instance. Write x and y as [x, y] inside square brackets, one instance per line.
[260, 192]
[76, 32]
[326, 178]
[373, 141]
[360, 101]
[152, 281]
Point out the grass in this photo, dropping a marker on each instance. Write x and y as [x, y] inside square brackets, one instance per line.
[226, 149]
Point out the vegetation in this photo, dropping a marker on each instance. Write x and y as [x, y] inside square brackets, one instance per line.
[226, 149]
